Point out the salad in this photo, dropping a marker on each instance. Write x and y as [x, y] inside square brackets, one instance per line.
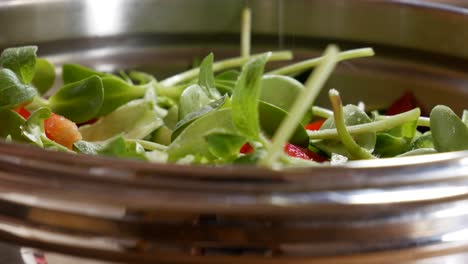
[228, 112]
[213, 114]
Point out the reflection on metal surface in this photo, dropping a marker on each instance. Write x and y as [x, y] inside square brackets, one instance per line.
[401, 196]
[461, 235]
[104, 17]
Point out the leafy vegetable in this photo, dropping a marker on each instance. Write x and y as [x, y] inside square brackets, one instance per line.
[422, 141]
[448, 130]
[44, 76]
[118, 92]
[271, 118]
[12, 91]
[225, 82]
[79, 101]
[192, 139]
[225, 146]
[21, 60]
[72, 73]
[306, 98]
[193, 99]
[115, 147]
[11, 123]
[352, 115]
[281, 91]
[396, 140]
[355, 150]
[136, 119]
[196, 117]
[188, 119]
[206, 78]
[245, 98]
[162, 136]
[33, 130]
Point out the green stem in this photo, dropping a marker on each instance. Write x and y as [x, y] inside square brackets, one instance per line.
[380, 125]
[245, 32]
[356, 151]
[312, 88]
[299, 67]
[37, 103]
[221, 65]
[172, 92]
[422, 121]
[321, 112]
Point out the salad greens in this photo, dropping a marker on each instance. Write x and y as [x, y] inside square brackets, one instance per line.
[12, 91]
[238, 116]
[231, 111]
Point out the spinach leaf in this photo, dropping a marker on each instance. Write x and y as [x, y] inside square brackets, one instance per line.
[245, 98]
[195, 97]
[141, 77]
[389, 145]
[79, 101]
[123, 149]
[86, 147]
[224, 145]
[448, 130]
[136, 119]
[118, 92]
[21, 60]
[44, 75]
[423, 141]
[355, 150]
[162, 136]
[11, 123]
[353, 116]
[192, 100]
[115, 147]
[192, 140]
[282, 92]
[188, 119]
[396, 140]
[33, 128]
[225, 82]
[12, 91]
[172, 117]
[72, 73]
[206, 77]
[270, 119]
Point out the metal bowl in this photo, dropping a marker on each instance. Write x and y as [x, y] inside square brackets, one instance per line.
[405, 210]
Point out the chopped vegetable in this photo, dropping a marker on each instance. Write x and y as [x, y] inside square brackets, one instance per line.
[61, 130]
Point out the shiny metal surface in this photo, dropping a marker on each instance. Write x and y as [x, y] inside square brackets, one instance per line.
[410, 210]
